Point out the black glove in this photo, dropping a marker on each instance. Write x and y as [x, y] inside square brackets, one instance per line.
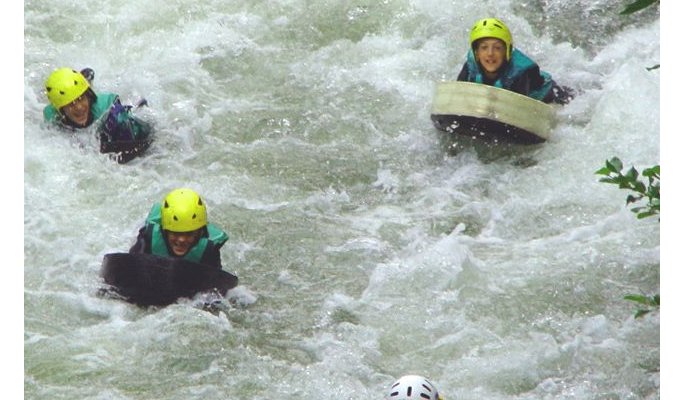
[562, 94]
[89, 74]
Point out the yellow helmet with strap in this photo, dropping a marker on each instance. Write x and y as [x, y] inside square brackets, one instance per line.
[492, 28]
[64, 86]
[183, 210]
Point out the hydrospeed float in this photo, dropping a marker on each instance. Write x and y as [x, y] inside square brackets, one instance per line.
[491, 113]
[150, 280]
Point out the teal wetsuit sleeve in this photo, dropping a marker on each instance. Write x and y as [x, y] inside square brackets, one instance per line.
[50, 113]
[118, 122]
[103, 104]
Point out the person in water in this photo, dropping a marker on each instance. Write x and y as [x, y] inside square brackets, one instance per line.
[413, 387]
[74, 105]
[493, 60]
[178, 227]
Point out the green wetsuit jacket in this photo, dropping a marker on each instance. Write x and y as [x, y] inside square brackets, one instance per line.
[103, 102]
[520, 75]
[151, 240]
[114, 120]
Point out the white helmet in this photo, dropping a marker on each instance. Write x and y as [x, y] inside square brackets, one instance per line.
[413, 387]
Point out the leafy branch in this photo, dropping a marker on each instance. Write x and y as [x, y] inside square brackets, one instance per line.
[630, 181]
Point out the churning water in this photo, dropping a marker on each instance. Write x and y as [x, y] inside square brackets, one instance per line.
[368, 245]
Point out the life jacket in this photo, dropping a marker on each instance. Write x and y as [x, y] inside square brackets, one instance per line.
[158, 244]
[103, 102]
[114, 120]
[517, 65]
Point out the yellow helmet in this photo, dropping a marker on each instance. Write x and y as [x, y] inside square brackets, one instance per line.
[183, 210]
[492, 28]
[64, 86]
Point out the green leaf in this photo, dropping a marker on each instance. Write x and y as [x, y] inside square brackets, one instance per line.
[632, 174]
[639, 187]
[638, 5]
[638, 298]
[645, 300]
[603, 171]
[646, 214]
[654, 172]
[653, 302]
[632, 199]
[614, 164]
[624, 183]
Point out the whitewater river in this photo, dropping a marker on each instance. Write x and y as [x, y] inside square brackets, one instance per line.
[368, 244]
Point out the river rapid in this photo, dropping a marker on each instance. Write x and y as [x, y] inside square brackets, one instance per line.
[368, 244]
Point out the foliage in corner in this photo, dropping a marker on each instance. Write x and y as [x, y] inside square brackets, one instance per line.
[613, 174]
[630, 180]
